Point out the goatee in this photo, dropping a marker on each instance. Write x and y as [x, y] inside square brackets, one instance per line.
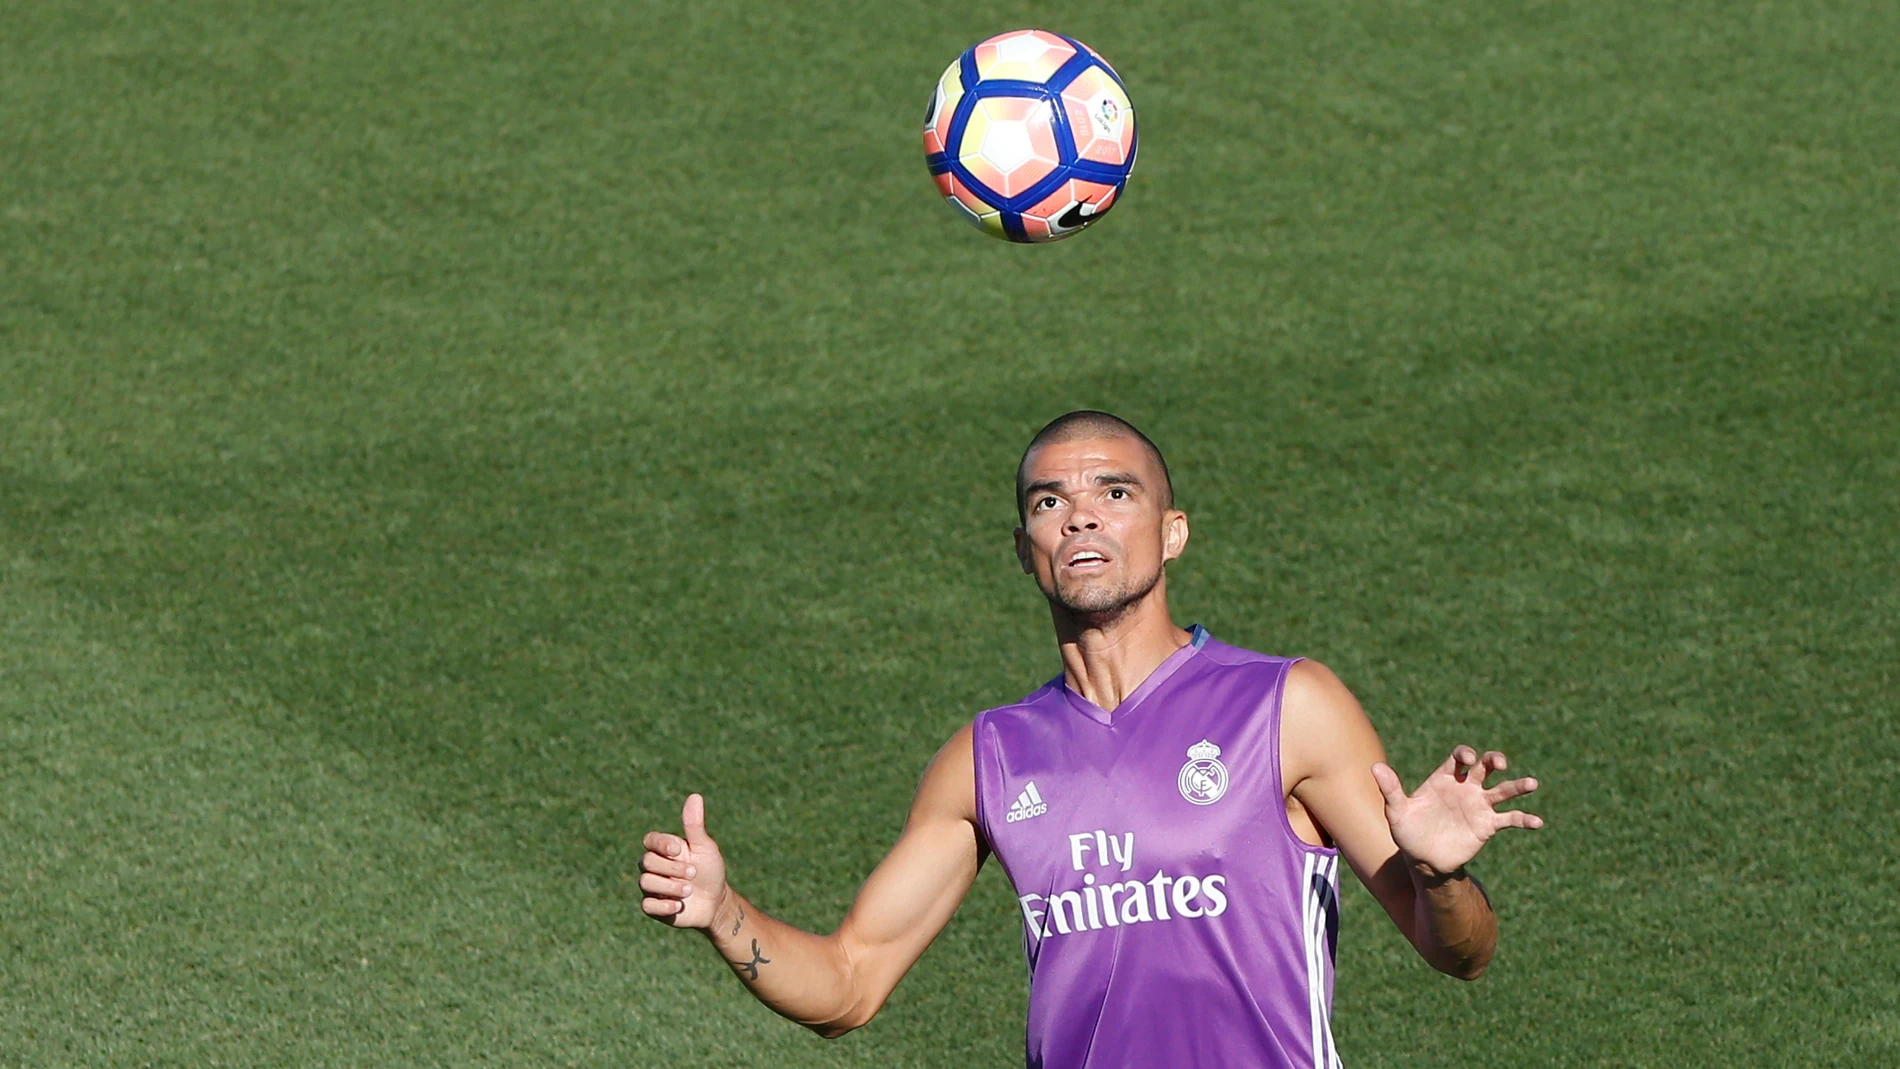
[1104, 600]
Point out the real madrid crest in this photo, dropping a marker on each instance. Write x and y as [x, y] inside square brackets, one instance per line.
[1203, 779]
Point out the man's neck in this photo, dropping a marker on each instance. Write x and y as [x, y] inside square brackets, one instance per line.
[1107, 659]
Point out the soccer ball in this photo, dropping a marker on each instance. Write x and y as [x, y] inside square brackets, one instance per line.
[1030, 135]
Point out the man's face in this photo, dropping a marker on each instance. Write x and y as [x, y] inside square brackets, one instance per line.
[1095, 533]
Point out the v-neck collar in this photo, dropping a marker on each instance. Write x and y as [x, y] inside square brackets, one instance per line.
[1163, 671]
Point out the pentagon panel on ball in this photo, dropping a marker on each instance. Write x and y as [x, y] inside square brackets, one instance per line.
[1030, 135]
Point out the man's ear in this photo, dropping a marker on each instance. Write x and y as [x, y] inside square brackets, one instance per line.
[1174, 534]
[1022, 552]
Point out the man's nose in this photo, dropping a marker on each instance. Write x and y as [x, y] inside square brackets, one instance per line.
[1081, 520]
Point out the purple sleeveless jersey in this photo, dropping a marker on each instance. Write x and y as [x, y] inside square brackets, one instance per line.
[1171, 917]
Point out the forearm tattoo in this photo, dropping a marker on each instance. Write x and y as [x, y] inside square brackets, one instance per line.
[751, 968]
[737, 923]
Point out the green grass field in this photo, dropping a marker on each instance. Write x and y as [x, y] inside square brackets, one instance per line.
[435, 437]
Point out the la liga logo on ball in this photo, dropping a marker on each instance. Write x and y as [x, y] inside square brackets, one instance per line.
[1030, 135]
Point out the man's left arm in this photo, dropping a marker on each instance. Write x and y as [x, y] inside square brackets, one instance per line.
[1410, 851]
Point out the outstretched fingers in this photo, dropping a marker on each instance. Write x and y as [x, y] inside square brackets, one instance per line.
[1482, 767]
[1517, 818]
[1510, 789]
[1461, 759]
[1467, 765]
[1513, 818]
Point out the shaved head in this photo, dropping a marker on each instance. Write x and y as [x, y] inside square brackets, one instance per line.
[1081, 424]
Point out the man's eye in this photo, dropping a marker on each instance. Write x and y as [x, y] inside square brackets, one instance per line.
[1046, 502]
[1118, 493]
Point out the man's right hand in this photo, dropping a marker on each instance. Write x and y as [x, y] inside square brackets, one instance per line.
[830, 983]
[683, 879]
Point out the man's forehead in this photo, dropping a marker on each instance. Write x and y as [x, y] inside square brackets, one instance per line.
[1052, 460]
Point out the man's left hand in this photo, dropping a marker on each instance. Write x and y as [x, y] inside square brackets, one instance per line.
[1442, 825]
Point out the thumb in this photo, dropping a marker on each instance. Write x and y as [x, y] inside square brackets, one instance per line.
[1389, 784]
[693, 819]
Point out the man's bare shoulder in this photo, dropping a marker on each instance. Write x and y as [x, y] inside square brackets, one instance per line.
[1313, 687]
[1320, 722]
[948, 786]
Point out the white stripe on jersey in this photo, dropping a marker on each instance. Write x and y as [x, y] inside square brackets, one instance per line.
[1306, 936]
[1314, 918]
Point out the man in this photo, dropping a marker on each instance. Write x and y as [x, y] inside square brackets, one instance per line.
[1171, 811]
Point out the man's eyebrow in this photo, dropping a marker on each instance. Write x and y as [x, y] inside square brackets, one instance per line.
[1107, 478]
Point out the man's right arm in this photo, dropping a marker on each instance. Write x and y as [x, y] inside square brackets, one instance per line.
[831, 983]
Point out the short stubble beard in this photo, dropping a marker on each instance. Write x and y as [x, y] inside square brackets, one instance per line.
[1101, 601]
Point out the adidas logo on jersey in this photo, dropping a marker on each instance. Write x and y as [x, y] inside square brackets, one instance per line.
[1027, 804]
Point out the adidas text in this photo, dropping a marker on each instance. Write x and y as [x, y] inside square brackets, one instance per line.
[1027, 804]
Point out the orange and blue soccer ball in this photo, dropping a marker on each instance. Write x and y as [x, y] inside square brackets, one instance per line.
[1030, 135]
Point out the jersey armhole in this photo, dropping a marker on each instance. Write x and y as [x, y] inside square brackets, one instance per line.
[982, 788]
[1280, 793]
